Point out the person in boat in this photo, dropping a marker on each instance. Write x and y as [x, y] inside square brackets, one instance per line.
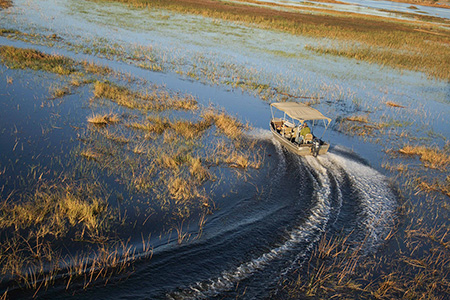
[304, 131]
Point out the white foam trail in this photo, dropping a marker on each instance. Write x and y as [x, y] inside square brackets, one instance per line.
[377, 200]
[316, 221]
[281, 157]
[259, 133]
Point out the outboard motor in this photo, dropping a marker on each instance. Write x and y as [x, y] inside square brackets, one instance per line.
[315, 147]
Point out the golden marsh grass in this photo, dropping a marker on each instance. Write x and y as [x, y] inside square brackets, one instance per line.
[431, 156]
[198, 170]
[373, 39]
[59, 92]
[225, 123]
[360, 119]
[18, 58]
[5, 4]
[53, 211]
[103, 119]
[154, 100]
[393, 104]
[172, 174]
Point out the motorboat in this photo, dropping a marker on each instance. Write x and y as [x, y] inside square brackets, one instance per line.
[292, 129]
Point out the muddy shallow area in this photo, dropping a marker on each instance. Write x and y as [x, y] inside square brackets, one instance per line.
[254, 226]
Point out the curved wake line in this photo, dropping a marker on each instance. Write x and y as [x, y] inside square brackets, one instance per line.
[316, 221]
[377, 199]
[282, 164]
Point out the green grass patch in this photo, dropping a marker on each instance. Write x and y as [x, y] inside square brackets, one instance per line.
[17, 58]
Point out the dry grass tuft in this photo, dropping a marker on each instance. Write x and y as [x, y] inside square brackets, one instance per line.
[393, 104]
[139, 149]
[155, 124]
[168, 162]
[103, 119]
[182, 190]
[52, 210]
[238, 160]
[431, 156]
[116, 138]
[198, 171]
[5, 4]
[90, 154]
[157, 100]
[59, 92]
[360, 119]
[189, 129]
[91, 67]
[226, 124]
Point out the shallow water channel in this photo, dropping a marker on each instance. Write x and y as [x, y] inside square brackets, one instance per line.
[376, 8]
[264, 223]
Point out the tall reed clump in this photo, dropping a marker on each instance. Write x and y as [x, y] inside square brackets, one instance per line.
[156, 100]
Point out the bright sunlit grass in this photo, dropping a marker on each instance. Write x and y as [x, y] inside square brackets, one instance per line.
[18, 58]
[431, 156]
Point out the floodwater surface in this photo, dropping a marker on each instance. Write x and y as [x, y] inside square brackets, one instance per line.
[370, 7]
[264, 223]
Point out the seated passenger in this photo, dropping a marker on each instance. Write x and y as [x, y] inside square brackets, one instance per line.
[305, 130]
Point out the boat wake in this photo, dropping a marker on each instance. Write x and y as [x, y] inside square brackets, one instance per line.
[329, 175]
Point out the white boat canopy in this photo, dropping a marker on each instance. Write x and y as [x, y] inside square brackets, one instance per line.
[300, 112]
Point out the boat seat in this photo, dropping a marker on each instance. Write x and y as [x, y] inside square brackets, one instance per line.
[289, 124]
[288, 132]
[308, 138]
[277, 123]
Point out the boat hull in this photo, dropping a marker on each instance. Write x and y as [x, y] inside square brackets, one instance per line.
[303, 149]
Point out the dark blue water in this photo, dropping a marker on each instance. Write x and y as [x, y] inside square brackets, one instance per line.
[259, 232]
